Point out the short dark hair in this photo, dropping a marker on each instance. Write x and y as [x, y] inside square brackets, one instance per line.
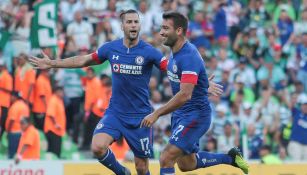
[58, 88]
[104, 76]
[90, 69]
[124, 12]
[178, 19]
[25, 120]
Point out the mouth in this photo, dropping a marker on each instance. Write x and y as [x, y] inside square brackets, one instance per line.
[133, 32]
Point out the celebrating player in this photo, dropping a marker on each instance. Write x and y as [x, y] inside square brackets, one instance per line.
[131, 60]
[191, 116]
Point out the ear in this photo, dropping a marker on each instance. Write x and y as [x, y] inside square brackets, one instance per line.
[179, 31]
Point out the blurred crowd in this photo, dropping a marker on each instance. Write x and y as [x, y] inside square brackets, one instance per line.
[257, 49]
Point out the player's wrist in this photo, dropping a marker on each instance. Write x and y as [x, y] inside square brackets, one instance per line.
[52, 63]
[158, 113]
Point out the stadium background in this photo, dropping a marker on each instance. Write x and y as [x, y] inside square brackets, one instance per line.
[256, 49]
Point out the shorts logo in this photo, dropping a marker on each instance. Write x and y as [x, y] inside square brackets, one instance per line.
[204, 161]
[139, 60]
[116, 67]
[175, 68]
[99, 125]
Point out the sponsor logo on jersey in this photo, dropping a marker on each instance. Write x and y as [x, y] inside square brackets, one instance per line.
[116, 67]
[139, 60]
[127, 69]
[175, 68]
[115, 57]
[99, 125]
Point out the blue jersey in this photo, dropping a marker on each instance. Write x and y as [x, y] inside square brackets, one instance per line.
[187, 66]
[131, 71]
[299, 127]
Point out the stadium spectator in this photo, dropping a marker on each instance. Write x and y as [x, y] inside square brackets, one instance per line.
[6, 87]
[20, 30]
[219, 120]
[92, 88]
[29, 145]
[17, 110]
[300, 26]
[297, 147]
[81, 31]
[257, 15]
[220, 20]
[267, 157]
[246, 74]
[240, 92]
[285, 27]
[55, 122]
[102, 94]
[94, 9]
[104, 31]
[224, 62]
[197, 30]
[265, 109]
[302, 71]
[254, 142]
[70, 80]
[229, 139]
[146, 18]
[68, 9]
[42, 94]
[24, 78]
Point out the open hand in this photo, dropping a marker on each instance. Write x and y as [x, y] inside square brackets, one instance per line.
[214, 88]
[149, 120]
[41, 63]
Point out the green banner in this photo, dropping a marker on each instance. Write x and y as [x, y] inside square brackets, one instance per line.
[4, 37]
[43, 26]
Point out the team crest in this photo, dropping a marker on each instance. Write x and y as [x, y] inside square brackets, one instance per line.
[99, 125]
[175, 68]
[139, 60]
[116, 67]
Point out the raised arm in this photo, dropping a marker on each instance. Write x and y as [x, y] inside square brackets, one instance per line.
[71, 62]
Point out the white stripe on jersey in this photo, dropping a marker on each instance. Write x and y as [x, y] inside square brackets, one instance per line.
[189, 72]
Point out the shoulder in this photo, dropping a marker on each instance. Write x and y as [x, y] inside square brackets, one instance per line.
[114, 43]
[147, 46]
[190, 53]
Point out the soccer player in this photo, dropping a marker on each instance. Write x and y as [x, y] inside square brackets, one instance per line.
[191, 116]
[131, 60]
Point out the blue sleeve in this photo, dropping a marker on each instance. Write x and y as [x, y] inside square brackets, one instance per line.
[294, 112]
[190, 67]
[291, 28]
[158, 59]
[102, 53]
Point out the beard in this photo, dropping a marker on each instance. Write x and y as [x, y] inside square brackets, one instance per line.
[132, 36]
[170, 40]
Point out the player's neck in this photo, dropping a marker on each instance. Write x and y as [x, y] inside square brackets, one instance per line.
[178, 45]
[130, 43]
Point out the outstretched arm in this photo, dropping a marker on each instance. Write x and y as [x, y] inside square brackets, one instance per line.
[71, 62]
